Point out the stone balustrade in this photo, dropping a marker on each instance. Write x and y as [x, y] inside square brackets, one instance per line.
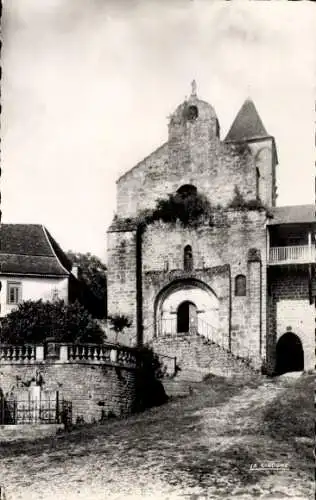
[17, 353]
[70, 353]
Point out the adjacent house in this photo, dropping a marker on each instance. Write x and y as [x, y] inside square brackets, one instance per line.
[32, 266]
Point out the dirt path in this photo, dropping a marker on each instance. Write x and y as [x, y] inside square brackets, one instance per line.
[188, 449]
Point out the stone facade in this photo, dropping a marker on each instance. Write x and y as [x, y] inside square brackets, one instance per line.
[289, 310]
[147, 275]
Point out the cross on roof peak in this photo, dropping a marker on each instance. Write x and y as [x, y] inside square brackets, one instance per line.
[193, 87]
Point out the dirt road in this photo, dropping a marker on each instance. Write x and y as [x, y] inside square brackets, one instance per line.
[193, 448]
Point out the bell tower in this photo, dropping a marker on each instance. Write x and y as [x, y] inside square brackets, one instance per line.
[194, 117]
[248, 128]
[192, 128]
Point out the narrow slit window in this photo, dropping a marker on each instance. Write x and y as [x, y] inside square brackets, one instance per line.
[188, 258]
[257, 183]
[240, 285]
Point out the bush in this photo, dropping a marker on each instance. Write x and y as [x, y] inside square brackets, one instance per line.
[34, 321]
[190, 209]
[239, 203]
[118, 322]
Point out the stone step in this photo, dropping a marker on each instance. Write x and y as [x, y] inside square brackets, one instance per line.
[196, 356]
[192, 374]
[176, 388]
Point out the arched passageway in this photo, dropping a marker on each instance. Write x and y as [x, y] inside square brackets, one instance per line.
[289, 354]
[187, 307]
[187, 317]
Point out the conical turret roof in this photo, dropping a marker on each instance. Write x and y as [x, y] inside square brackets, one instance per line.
[247, 124]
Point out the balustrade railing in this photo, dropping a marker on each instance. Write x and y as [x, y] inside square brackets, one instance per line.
[168, 327]
[292, 254]
[70, 353]
[88, 352]
[17, 352]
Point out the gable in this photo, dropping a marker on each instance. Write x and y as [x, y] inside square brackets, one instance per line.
[30, 249]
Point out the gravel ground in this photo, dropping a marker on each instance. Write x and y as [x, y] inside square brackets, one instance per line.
[199, 447]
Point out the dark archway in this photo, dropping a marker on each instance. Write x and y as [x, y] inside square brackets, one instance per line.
[289, 354]
[187, 317]
[187, 190]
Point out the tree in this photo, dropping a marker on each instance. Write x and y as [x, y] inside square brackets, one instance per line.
[118, 323]
[34, 321]
[92, 273]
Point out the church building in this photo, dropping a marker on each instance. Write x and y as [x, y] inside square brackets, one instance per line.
[239, 270]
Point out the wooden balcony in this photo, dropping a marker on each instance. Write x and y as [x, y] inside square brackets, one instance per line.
[300, 254]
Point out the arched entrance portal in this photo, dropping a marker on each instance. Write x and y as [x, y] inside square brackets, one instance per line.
[187, 306]
[187, 317]
[289, 354]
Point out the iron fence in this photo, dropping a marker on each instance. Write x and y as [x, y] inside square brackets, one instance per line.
[15, 411]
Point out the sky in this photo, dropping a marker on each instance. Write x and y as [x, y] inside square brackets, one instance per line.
[88, 86]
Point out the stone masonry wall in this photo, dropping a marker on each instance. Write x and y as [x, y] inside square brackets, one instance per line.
[265, 162]
[84, 384]
[225, 244]
[194, 154]
[289, 308]
[215, 168]
[121, 276]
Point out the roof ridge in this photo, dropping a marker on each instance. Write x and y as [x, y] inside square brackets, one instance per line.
[28, 255]
[52, 249]
[20, 224]
[143, 159]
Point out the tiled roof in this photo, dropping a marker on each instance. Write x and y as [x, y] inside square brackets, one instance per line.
[293, 214]
[30, 249]
[247, 124]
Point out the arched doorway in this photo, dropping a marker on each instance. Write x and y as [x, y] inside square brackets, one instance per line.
[187, 317]
[186, 306]
[289, 354]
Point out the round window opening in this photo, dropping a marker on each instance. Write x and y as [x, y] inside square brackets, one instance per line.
[193, 113]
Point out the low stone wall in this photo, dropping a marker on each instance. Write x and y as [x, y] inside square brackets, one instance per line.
[97, 381]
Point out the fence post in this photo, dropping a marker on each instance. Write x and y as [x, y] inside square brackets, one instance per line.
[39, 352]
[113, 355]
[63, 354]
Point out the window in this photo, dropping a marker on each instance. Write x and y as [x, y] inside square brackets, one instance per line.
[188, 258]
[257, 183]
[240, 285]
[14, 292]
[192, 113]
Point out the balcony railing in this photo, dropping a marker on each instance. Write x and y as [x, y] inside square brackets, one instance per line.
[299, 254]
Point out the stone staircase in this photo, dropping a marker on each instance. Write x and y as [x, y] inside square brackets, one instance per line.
[196, 359]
